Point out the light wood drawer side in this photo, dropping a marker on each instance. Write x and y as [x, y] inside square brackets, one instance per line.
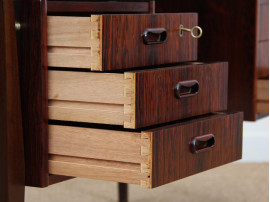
[75, 42]
[100, 154]
[105, 98]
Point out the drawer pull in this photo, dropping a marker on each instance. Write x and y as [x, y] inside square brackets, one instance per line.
[186, 89]
[154, 36]
[202, 143]
[199, 35]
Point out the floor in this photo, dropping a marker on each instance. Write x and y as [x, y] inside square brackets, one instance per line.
[256, 141]
[236, 182]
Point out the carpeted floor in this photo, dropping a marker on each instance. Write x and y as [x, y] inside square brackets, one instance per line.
[237, 182]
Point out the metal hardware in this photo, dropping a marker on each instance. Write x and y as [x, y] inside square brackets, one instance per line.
[18, 26]
[182, 29]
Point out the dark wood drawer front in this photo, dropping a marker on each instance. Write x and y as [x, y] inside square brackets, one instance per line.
[124, 47]
[149, 158]
[157, 100]
[104, 6]
[113, 42]
[172, 156]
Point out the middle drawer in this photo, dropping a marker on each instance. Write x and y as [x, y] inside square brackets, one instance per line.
[138, 99]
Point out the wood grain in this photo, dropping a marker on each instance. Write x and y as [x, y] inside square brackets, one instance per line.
[263, 96]
[152, 6]
[91, 97]
[150, 158]
[175, 140]
[132, 52]
[263, 90]
[112, 114]
[98, 7]
[155, 97]
[96, 143]
[86, 87]
[12, 168]
[263, 21]
[263, 107]
[230, 34]
[112, 155]
[127, 99]
[75, 42]
[101, 170]
[111, 42]
[263, 59]
[32, 51]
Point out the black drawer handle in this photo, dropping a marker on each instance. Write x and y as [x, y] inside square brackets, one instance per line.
[202, 143]
[186, 89]
[154, 36]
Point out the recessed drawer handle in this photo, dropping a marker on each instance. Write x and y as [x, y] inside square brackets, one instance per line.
[182, 29]
[186, 89]
[202, 143]
[154, 36]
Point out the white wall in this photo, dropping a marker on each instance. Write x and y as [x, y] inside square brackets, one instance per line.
[256, 141]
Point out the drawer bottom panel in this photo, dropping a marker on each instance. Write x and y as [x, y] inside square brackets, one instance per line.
[149, 158]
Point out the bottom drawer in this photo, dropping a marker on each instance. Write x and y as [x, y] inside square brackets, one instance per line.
[150, 158]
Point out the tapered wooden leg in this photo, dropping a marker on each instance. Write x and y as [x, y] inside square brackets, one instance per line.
[12, 168]
[122, 192]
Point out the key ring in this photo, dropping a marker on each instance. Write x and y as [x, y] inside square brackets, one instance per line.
[181, 29]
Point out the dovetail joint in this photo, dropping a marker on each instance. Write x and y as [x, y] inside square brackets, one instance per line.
[146, 153]
[129, 95]
[96, 48]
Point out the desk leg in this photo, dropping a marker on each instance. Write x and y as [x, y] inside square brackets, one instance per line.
[122, 192]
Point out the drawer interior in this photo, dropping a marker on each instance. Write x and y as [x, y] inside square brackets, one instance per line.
[263, 96]
[75, 42]
[118, 156]
[149, 157]
[106, 98]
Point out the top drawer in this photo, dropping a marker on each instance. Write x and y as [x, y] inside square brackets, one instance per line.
[112, 42]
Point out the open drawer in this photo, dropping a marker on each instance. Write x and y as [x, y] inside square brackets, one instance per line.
[140, 98]
[150, 158]
[110, 42]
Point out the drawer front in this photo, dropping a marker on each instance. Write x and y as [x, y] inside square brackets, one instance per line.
[172, 156]
[148, 158]
[203, 89]
[111, 42]
[138, 99]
